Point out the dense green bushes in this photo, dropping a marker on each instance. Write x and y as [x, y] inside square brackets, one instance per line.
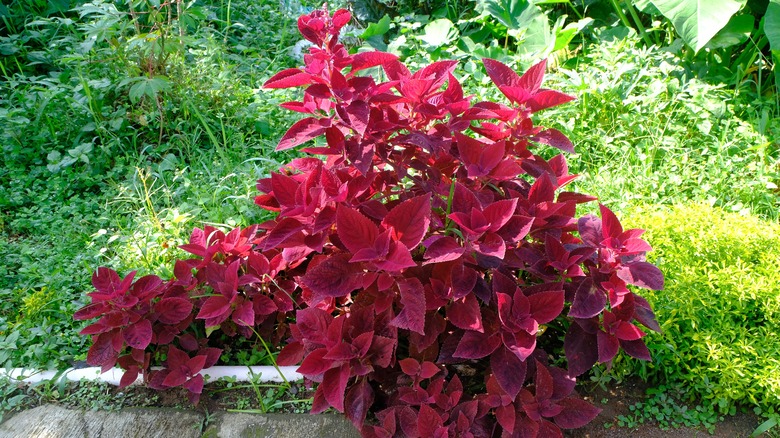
[720, 312]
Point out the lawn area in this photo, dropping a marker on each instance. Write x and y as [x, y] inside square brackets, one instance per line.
[124, 125]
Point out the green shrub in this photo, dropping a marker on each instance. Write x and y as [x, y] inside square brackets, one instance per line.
[720, 312]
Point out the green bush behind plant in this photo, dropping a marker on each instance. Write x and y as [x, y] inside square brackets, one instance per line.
[720, 312]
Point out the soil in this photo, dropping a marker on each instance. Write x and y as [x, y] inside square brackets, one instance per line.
[617, 401]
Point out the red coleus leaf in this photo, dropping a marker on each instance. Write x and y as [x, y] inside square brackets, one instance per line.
[410, 220]
[589, 300]
[334, 277]
[282, 233]
[554, 138]
[355, 231]
[475, 345]
[608, 346]
[443, 249]
[173, 310]
[477, 157]
[429, 422]
[214, 307]
[303, 131]
[244, 314]
[508, 370]
[464, 313]
[576, 413]
[102, 351]
[547, 99]
[581, 349]
[91, 311]
[138, 335]
[292, 77]
[642, 274]
[333, 386]
[358, 401]
[108, 284]
[636, 349]
[546, 306]
[500, 74]
[409, 366]
[610, 224]
[315, 363]
[412, 316]
[364, 60]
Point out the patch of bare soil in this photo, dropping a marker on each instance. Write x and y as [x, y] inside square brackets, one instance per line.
[617, 401]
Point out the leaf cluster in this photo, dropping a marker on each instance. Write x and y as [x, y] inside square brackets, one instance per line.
[419, 271]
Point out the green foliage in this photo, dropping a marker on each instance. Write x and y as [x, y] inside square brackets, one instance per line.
[721, 307]
[651, 131]
[697, 21]
[663, 407]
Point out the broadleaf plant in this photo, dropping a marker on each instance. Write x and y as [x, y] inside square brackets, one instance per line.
[426, 273]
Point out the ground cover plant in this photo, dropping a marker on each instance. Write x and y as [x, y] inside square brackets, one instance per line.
[721, 309]
[412, 251]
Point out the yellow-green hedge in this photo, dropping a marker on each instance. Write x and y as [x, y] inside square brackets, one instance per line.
[720, 312]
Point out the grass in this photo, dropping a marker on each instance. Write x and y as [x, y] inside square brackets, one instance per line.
[116, 145]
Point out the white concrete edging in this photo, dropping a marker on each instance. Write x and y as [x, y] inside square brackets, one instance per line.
[113, 376]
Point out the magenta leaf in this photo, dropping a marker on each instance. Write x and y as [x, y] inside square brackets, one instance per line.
[138, 335]
[475, 345]
[173, 310]
[581, 349]
[509, 371]
[443, 250]
[334, 277]
[464, 313]
[303, 131]
[608, 346]
[364, 60]
[292, 77]
[589, 301]
[333, 385]
[355, 231]
[412, 316]
[642, 274]
[358, 401]
[410, 220]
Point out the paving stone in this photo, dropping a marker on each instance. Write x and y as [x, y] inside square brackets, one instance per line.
[52, 421]
[236, 425]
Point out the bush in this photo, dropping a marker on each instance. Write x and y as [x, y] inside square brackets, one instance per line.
[431, 277]
[721, 308]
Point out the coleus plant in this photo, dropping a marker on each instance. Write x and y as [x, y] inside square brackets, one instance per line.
[428, 271]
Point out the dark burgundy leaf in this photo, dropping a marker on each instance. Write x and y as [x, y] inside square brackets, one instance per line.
[581, 350]
[410, 220]
[636, 349]
[554, 138]
[475, 345]
[464, 313]
[608, 346]
[509, 371]
[443, 250]
[546, 306]
[576, 413]
[589, 301]
[173, 310]
[334, 277]
[412, 316]
[333, 385]
[358, 401]
[642, 274]
[138, 335]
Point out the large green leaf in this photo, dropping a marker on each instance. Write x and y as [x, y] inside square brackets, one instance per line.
[772, 24]
[697, 21]
[439, 32]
